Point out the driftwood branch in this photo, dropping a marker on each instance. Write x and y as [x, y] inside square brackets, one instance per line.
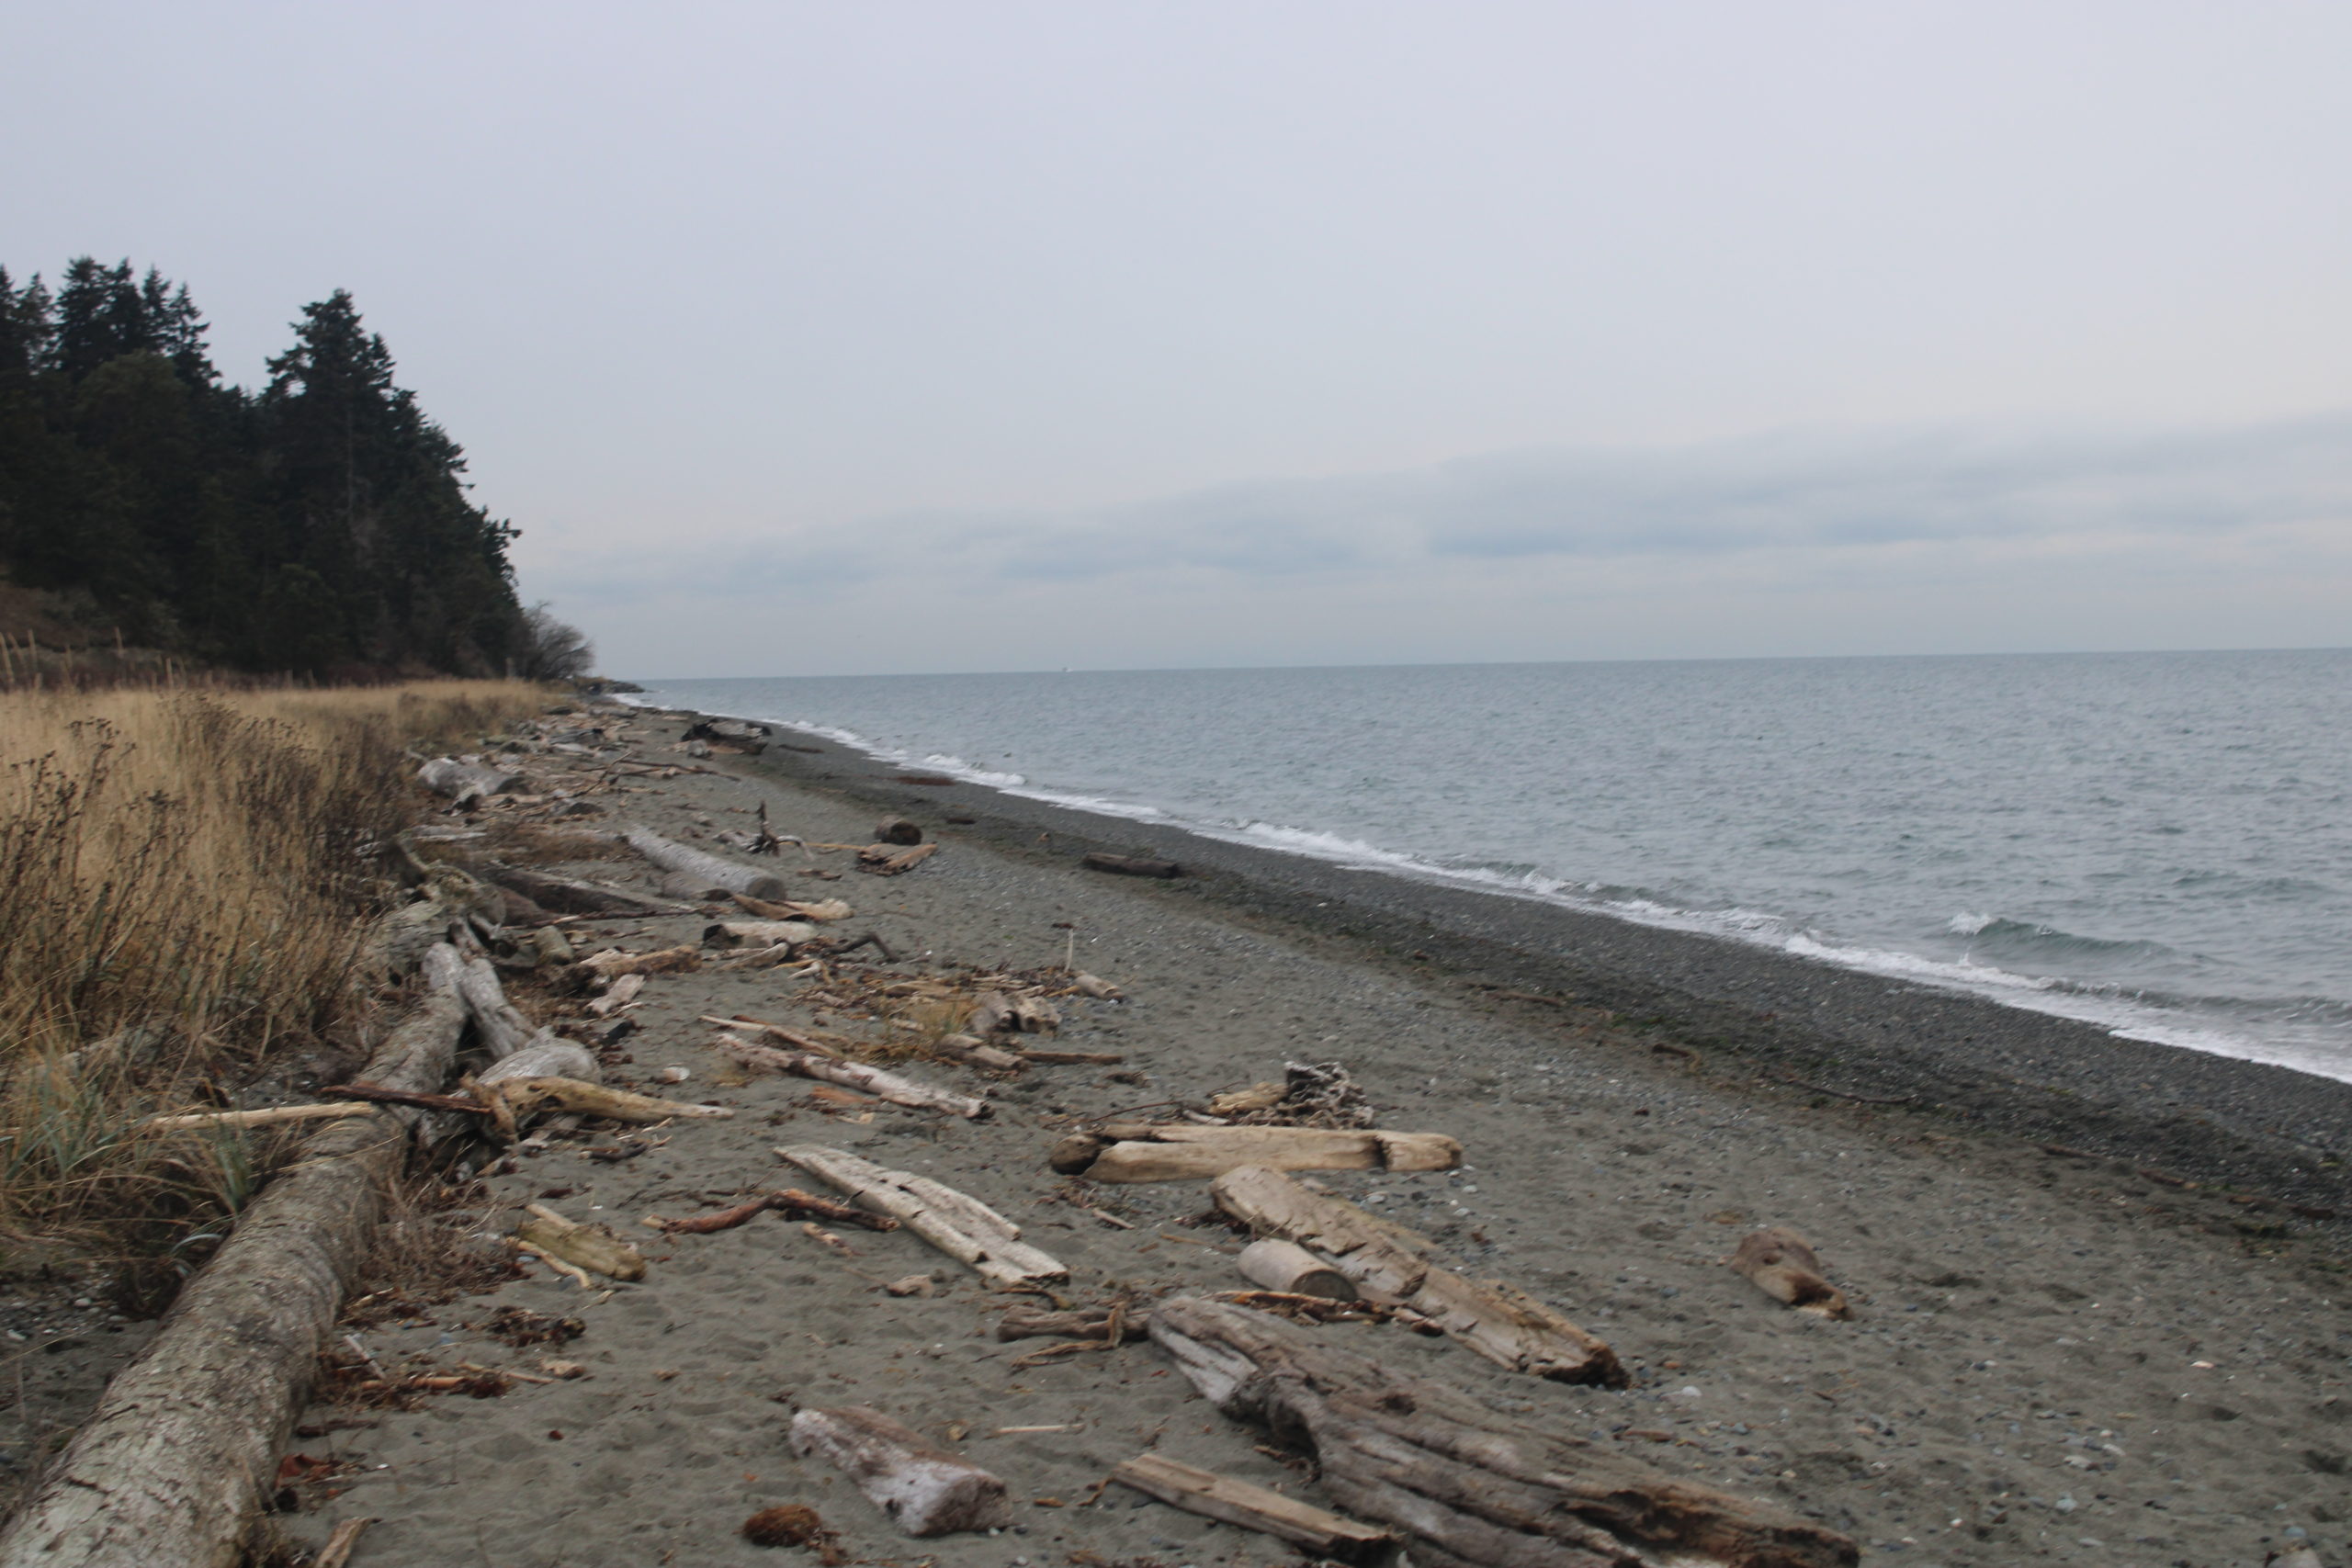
[961, 1226]
[1391, 1264]
[1468, 1486]
[272, 1116]
[1324, 1534]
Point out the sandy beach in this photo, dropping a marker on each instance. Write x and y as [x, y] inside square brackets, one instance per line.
[2099, 1286]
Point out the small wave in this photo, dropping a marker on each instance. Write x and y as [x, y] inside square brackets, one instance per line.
[1966, 924]
[2028, 938]
[972, 773]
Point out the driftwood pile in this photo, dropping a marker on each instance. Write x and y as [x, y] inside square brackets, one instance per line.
[165, 1471]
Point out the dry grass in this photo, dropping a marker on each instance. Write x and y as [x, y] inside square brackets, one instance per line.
[186, 872]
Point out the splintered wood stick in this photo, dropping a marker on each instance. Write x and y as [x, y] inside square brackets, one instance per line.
[578, 1275]
[774, 1031]
[1221, 1497]
[855, 1074]
[336, 1552]
[957, 1224]
[716, 1220]
[271, 1117]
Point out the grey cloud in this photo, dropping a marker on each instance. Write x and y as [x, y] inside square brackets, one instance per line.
[1818, 491]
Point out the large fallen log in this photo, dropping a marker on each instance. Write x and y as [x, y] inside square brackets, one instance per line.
[1781, 1263]
[1324, 1534]
[462, 782]
[926, 1490]
[1393, 1265]
[956, 1224]
[571, 897]
[173, 1465]
[1180, 1151]
[852, 1074]
[706, 868]
[1468, 1486]
[1131, 865]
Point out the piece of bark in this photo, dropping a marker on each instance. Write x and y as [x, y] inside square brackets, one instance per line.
[1781, 1263]
[706, 868]
[1186, 1152]
[1131, 865]
[896, 830]
[758, 933]
[881, 862]
[462, 782]
[594, 1247]
[1028, 1322]
[570, 896]
[1393, 1265]
[336, 1552]
[956, 1224]
[1279, 1265]
[1468, 1486]
[1323, 1534]
[855, 1075]
[617, 995]
[171, 1466]
[270, 1117]
[925, 1490]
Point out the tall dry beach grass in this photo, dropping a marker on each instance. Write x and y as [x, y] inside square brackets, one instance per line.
[184, 874]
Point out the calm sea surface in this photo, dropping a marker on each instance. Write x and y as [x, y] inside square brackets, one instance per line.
[2160, 843]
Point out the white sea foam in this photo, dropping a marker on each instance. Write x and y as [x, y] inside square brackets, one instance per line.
[1967, 924]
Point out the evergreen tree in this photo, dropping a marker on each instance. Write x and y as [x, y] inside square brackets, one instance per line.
[322, 523]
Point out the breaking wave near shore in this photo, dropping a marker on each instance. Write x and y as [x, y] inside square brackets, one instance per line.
[2155, 843]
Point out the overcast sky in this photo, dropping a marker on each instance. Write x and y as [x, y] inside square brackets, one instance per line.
[837, 338]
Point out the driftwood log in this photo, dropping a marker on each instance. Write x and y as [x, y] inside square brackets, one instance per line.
[603, 968]
[1011, 1012]
[1286, 1266]
[548, 1058]
[1780, 1264]
[173, 1464]
[791, 909]
[852, 1074]
[1324, 1535]
[924, 1489]
[896, 830]
[956, 1224]
[570, 896]
[462, 781]
[964, 1048]
[706, 868]
[1181, 1151]
[1468, 1486]
[1131, 865]
[1391, 1265]
[1093, 1323]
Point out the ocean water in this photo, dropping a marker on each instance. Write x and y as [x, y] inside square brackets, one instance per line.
[2158, 842]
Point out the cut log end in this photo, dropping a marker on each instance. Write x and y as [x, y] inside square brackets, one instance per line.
[925, 1490]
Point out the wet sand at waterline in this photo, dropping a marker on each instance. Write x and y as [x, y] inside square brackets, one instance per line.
[2051, 1356]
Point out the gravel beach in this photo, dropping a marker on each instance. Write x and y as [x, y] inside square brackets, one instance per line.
[2099, 1286]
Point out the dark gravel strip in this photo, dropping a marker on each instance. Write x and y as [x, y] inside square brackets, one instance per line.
[1960, 1059]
